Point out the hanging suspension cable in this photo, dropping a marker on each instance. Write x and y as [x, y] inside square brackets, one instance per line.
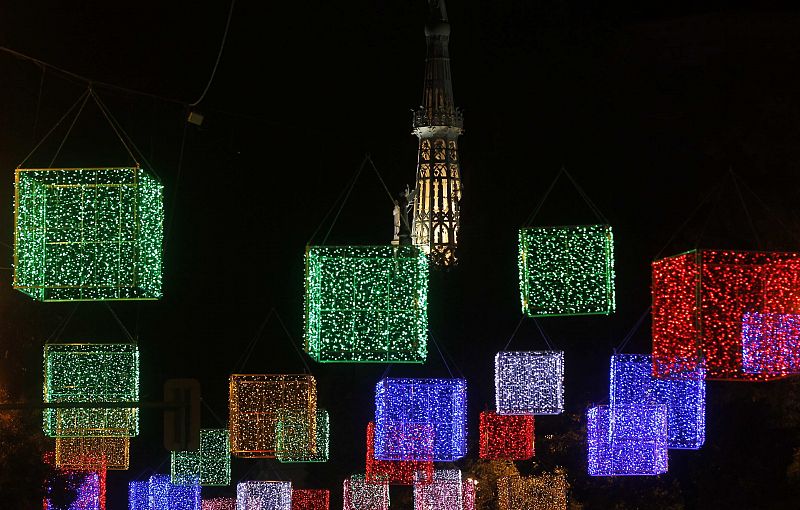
[69, 130]
[746, 210]
[633, 331]
[121, 325]
[102, 107]
[245, 356]
[219, 55]
[345, 193]
[514, 333]
[291, 341]
[47, 135]
[544, 335]
[436, 344]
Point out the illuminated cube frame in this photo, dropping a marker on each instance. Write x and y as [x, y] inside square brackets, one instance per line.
[469, 489]
[566, 270]
[264, 495]
[627, 440]
[771, 344]
[293, 444]
[88, 234]
[359, 494]
[162, 494]
[89, 486]
[403, 405]
[444, 492]
[547, 490]
[91, 373]
[255, 407]
[700, 304]
[366, 304]
[506, 437]
[111, 453]
[632, 384]
[138, 497]
[529, 382]
[211, 462]
[311, 499]
[219, 504]
[397, 472]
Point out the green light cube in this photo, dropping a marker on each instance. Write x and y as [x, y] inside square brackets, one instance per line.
[211, 463]
[91, 373]
[566, 270]
[88, 234]
[366, 304]
[294, 444]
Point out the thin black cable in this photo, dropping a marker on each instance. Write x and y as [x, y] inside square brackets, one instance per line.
[714, 204]
[535, 212]
[245, 356]
[586, 198]
[336, 202]
[87, 81]
[633, 330]
[121, 325]
[291, 341]
[130, 143]
[385, 372]
[38, 102]
[544, 335]
[453, 361]
[219, 55]
[69, 130]
[344, 200]
[403, 217]
[746, 210]
[213, 414]
[60, 328]
[173, 204]
[436, 344]
[771, 212]
[514, 333]
[107, 116]
[47, 135]
[686, 222]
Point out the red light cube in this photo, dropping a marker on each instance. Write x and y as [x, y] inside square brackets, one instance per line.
[701, 300]
[506, 436]
[394, 472]
[308, 499]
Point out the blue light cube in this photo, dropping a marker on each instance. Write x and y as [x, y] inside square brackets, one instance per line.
[406, 404]
[633, 384]
[627, 440]
[162, 494]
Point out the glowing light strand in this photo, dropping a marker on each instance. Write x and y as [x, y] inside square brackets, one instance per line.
[255, 407]
[219, 504]
[311, 499]
[211, 463]
[264, 495]
[294, 444]
[88, 234]
[162, 494]
[506, 436]
[701, 302]
[632, 384]
[403, 405]
[398, 472]
[627, 440]
[360, 494]
[91, 373]
[366, 304]
[529, 382]
[444, 492]
[546, 491]
[566, 270]
[771, 344]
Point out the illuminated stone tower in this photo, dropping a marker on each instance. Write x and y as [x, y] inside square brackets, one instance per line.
[437, 124]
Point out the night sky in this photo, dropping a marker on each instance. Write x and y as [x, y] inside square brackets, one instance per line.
[648, 105]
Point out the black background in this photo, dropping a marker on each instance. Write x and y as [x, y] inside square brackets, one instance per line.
[647, 104]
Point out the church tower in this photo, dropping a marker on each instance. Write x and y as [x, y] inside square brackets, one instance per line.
[437, 124]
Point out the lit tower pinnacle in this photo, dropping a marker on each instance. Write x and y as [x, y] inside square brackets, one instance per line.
[437, 124]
